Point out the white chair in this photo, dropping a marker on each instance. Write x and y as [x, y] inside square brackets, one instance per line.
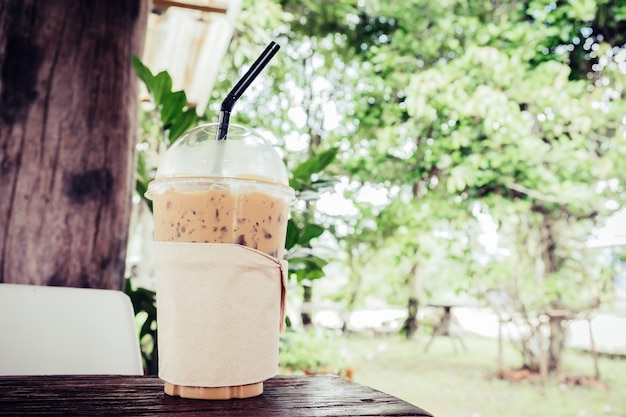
[63, 330]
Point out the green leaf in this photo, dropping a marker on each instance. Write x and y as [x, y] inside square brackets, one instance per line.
[143, 73]
[298, 273]
[162, 85]
[171, 107]
[309, 262]
[311, 231]
[317, 163]
[141, 186]
[181, 124]
[292, 234]
[315, 274]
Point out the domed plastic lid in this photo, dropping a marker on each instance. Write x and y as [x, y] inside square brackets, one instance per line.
[243, 155]
[197, 157]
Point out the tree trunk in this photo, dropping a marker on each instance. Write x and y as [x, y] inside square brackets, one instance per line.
[307, 299]
[543, 354]
[558, 334]
[68, 120]
[411, 323]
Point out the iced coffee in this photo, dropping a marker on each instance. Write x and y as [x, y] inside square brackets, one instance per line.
[218, 215]
[209, 192]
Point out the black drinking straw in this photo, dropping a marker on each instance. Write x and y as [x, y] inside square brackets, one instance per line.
[240, 87]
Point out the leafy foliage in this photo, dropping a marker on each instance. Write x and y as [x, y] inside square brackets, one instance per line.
[511, 111]
[307, 351]
[304, 264]
[144, 306]
[171, 106]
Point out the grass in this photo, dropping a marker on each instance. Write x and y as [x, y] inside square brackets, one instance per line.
[465, 384]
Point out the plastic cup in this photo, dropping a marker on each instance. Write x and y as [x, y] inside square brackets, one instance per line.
[231, 191]
[227, 191]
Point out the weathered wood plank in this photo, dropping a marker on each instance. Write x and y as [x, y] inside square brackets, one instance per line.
[317, 396]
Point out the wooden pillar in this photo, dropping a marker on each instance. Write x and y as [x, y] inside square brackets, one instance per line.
[68, 121]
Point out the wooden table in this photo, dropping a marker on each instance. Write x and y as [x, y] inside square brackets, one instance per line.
[106, 395]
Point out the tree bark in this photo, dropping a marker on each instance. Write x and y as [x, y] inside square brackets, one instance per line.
[68, 121]
[411, 323]
[307, 298]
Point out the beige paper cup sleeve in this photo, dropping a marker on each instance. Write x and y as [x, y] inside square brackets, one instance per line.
[220, 308]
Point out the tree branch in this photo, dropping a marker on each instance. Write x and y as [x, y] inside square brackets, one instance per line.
[532, 193]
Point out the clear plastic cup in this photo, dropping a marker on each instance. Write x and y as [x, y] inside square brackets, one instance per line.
[227, 191]
[233, 191]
